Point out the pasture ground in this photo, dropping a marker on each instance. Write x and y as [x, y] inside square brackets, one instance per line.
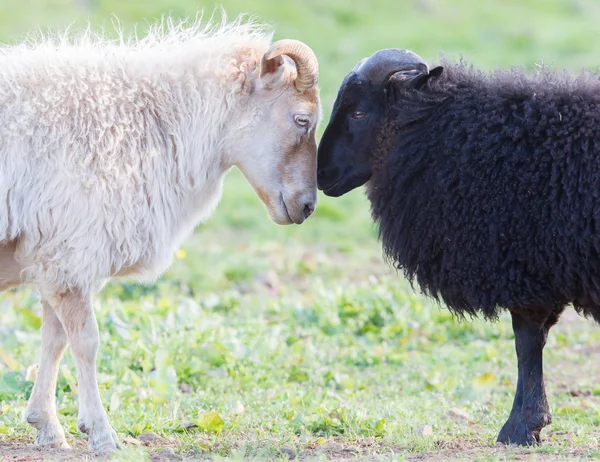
[275, 343]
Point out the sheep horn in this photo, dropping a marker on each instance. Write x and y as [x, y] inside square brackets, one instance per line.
[381, 65]
[307, 66]
[359, 64]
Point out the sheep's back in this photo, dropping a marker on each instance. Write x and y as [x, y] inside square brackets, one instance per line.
[492, 199]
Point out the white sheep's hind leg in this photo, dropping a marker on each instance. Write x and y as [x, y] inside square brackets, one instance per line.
[77, 316]
[41, 409]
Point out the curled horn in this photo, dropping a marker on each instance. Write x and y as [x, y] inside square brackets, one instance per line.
[307, 66]
[359, 64]
[381, 65]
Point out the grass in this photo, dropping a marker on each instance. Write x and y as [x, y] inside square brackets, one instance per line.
[272, 342]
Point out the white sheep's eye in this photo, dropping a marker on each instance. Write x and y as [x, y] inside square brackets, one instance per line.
[301, 120]
[359, 115]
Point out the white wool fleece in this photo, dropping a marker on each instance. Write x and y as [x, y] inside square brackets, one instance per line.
[112, 151]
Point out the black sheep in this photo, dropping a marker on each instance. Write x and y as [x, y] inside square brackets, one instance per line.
[486, 190]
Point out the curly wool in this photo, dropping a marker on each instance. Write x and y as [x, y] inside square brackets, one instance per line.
[486, 189]
[111, 151]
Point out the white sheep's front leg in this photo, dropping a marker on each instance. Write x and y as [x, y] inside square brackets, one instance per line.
[41, 409]
[77, 316]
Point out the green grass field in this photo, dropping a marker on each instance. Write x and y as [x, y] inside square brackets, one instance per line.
[276, 342]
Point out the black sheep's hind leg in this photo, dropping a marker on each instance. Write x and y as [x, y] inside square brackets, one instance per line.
[530, 412]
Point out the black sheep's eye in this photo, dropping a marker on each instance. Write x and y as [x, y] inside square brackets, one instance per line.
[359, 115]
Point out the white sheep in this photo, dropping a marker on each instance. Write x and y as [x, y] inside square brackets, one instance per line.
[111, 152]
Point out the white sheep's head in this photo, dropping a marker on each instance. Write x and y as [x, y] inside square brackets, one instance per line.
[277, 150]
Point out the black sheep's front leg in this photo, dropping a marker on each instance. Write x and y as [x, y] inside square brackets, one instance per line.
[530, 412]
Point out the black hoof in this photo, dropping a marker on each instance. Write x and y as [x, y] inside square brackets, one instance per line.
[519, 434]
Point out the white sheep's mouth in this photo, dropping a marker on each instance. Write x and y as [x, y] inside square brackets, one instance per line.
[285, 209]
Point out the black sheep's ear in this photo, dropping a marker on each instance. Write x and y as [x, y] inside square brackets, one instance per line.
[436, 71]
[422, 79]
[403, 80]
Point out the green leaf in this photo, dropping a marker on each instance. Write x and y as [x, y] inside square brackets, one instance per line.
[30, 319]
[210, 422]
[297, 375]
[380, 428]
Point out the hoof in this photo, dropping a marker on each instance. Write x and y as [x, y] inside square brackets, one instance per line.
[102, 438]
[51, 435]
[519, 434]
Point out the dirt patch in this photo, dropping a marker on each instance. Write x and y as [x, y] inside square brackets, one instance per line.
[25, 451]
[368, 449]
[21, 451]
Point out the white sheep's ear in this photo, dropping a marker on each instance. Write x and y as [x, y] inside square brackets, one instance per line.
[271, 70]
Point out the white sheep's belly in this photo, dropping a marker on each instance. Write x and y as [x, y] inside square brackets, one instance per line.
[146, 271]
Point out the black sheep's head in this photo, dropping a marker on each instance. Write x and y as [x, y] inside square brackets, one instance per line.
[344, 155]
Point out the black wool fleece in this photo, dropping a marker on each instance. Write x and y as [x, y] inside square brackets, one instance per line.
[486, 189]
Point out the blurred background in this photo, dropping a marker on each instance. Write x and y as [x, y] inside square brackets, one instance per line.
[306, 329]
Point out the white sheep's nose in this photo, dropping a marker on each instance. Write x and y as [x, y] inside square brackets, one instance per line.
[301, 206]
[309, 208]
